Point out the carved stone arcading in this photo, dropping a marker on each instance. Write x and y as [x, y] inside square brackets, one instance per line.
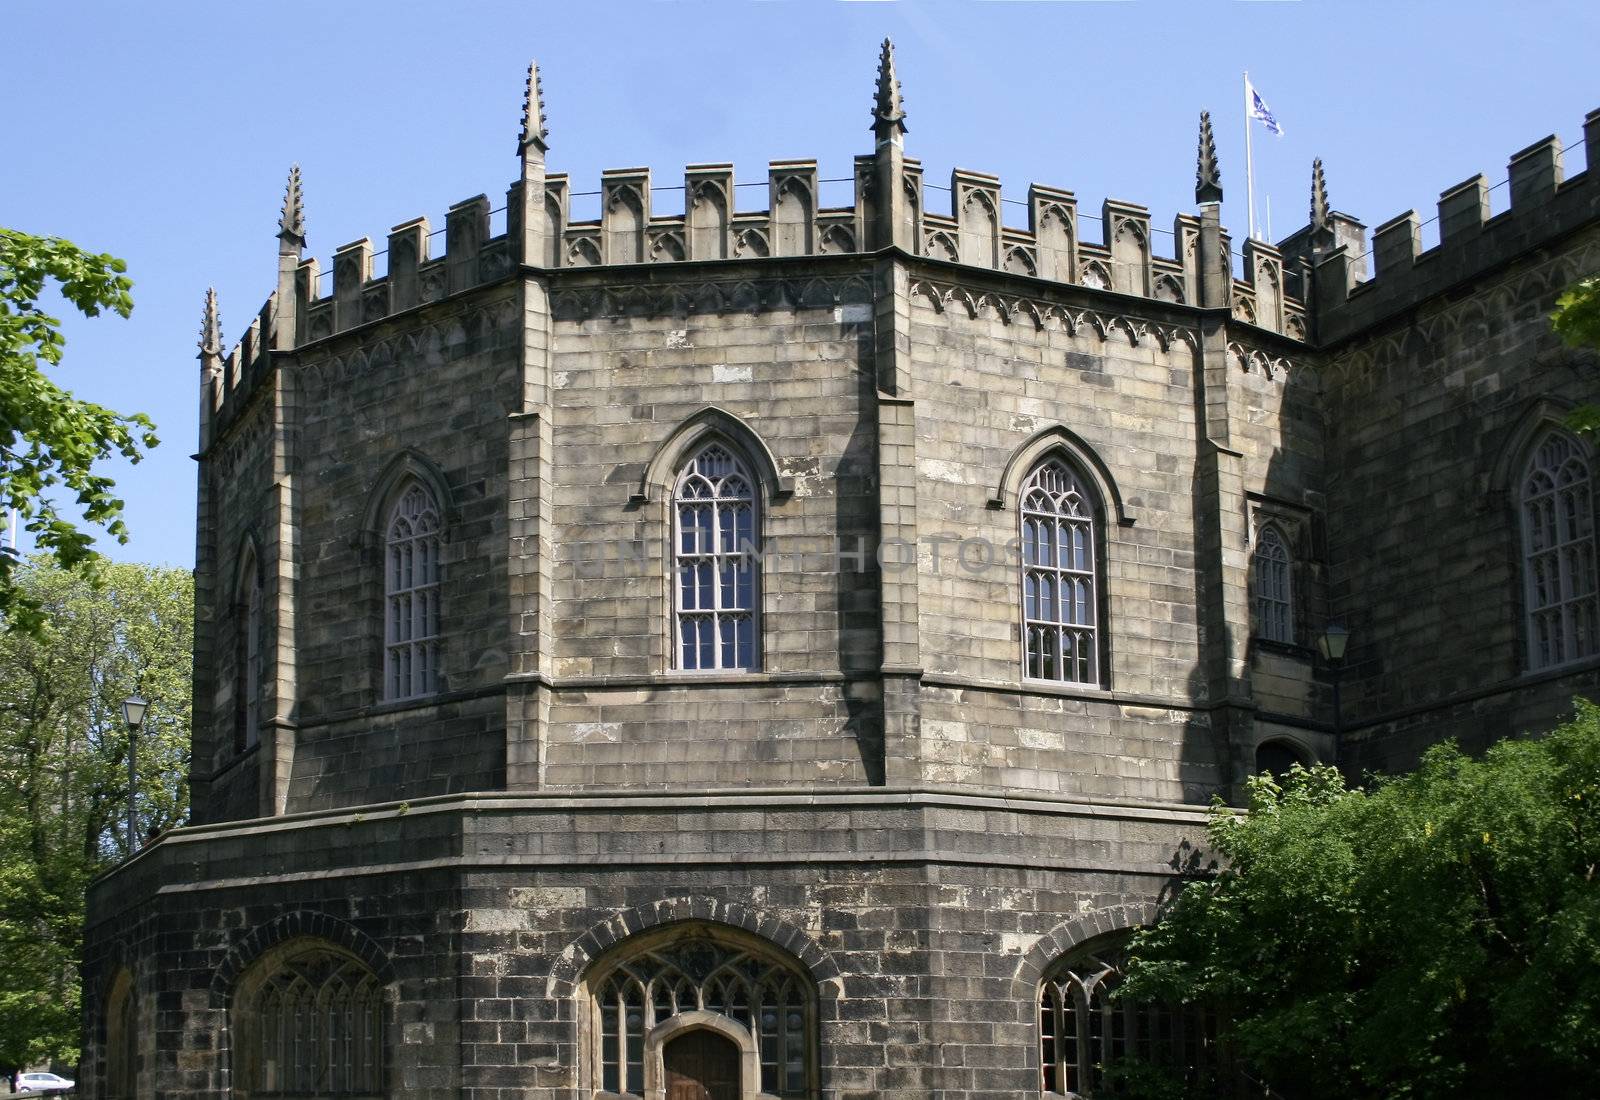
[745, 295]
[1013, 309]
[1363, 365]
[428, 345]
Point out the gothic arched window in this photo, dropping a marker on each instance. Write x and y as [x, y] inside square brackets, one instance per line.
[702, 1008]
[411, 590]
[715, 539]
[1270, 586]
[1558, 554]
[1060, 578]
[308, 1022]
[1087, 1038]
[122, 1040]
[248, 655]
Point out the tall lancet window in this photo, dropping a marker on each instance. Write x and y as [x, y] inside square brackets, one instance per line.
[411, 577]
[1558, 554]
[1270, 591]
[248, 655]
[714, 541]
[1060, 609]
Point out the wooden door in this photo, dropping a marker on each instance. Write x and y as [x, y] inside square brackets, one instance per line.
[702, 1065]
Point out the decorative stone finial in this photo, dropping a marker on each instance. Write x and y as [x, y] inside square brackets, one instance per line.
[1207, 177]
[1321, 220]
[211, 327]
[292, 222]
[534, 131]
[888, 110]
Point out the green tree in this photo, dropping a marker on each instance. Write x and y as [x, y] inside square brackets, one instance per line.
[1577, 315]
[1436, 935]
[64, 772]
[49, 439]
[1577, 321]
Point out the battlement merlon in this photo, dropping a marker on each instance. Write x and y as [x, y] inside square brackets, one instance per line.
[889, 209]
[971, 231]
[1545, 206]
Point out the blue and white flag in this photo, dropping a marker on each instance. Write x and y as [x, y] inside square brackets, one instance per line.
[1258, 109]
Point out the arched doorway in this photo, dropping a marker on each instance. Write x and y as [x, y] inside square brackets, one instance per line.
[658, 991]
[702, 1065]
[1277, 757]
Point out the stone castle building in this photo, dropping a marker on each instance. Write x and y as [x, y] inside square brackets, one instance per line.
[783, 652]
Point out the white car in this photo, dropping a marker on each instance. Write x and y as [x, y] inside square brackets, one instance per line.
[42, 1082]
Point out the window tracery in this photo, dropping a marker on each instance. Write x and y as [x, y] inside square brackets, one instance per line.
[1272, 586]
[411, 590]
[762, 1001]
[1060, 576]
[309, 1024]
[1558, 555]
[715, 538]
[1088, 1039]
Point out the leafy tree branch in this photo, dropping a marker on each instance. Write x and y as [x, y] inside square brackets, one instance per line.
[50, 440]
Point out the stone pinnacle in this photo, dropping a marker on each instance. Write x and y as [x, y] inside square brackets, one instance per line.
[888, 108]
[1321, 221]
[1208, 176]
[292, 222]
[211, 326]
[533, 121]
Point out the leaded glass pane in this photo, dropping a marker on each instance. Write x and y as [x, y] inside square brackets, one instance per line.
[1270, 587]
[1059, 577]
[1558, 555]
[715, 546]
[762, 998]
[316, 1030]
[411, 626]
[1086, 1036]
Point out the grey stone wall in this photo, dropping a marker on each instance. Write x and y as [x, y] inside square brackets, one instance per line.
[886, 799]
[1429, 423]
[923, 919]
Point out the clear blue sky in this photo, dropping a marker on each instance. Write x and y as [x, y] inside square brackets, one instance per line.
[162, 132]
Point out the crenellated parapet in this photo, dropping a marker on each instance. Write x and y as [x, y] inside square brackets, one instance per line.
[889, 209]
[1545, 205]
[794, 223]
[228, 380]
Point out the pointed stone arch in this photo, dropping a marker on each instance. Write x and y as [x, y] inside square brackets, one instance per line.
[298, 924]
[1073, 933]
[1541, 415]
[576, 958]
[660, 473]
[407, 466]
[1167, 288]
[1083, 457]
[120, 1049]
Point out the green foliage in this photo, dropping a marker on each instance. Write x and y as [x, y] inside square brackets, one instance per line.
[1577, 321]
[1437, 935]
[64, 772]
[49, 439]
[1577, 315]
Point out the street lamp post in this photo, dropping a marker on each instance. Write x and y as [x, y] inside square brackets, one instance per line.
[133, 708]
[1332, 642]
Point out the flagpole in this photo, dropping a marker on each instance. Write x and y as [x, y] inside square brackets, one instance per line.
[1249, 160]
